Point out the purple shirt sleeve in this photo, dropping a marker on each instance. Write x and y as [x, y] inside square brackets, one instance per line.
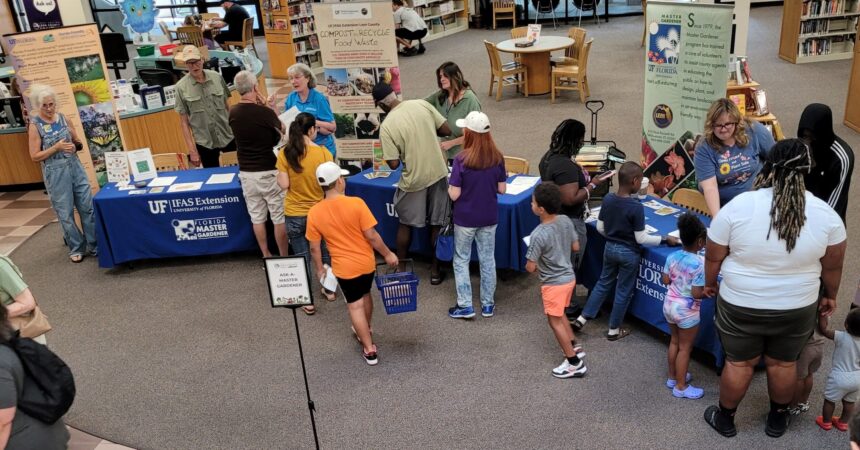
[456, 179]
[503, 174]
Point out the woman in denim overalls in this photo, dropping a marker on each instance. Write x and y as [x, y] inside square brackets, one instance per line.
[52, 142]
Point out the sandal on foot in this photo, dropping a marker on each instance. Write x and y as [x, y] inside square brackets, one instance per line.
[309, 310]
[711, 418]
[76, 258]
[826, 426]
[840, 425]
[622, 333]
[329, 296]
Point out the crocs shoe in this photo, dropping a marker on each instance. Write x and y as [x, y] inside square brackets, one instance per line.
[670, 382]
[840, 425]
[691, 392]
[826, 426]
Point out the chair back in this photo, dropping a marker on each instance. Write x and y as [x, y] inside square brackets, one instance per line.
[248, 30]
[583, 58]
[167, 162]
[209, 16]
[578, 36]
[514, 165]
[165, 30]
[229, 159]
[503, 5]
[495, 60]
[519, 32]
[192, 35]
[692, 200]
[157, 77]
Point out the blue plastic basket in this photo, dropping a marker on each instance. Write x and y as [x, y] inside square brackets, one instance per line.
[399, 291]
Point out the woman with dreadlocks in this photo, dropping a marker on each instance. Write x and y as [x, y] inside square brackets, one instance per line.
[785, 244]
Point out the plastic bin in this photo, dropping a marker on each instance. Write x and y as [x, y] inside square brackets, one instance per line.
[399, 291]
[146, 50]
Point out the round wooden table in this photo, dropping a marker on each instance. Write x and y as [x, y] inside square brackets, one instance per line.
[536, 59]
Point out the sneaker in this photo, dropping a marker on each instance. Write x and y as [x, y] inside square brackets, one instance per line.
[691, 392]
[488, 311]
[670, 382]
[370, 358]
[568, 370]
[724, 426]
[461, 313]
[777, 423]
[799, 409]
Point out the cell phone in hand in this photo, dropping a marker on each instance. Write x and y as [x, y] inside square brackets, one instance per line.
[606, 175]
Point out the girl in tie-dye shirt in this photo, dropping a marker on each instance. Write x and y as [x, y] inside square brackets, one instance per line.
[684, 273]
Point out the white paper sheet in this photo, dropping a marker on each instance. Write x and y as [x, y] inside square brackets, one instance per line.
[220, 178]
[515, 189]
[287, 117]
[676, 234]
[161, 181]
[528, 240]
[525, 181]
[183, 187]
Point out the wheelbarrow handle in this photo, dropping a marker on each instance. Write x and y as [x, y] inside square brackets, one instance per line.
[594, 105]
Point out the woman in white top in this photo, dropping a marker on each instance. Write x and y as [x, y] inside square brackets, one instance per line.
[410, 27]
[777, 248]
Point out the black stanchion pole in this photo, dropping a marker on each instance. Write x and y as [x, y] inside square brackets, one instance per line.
[305, 373]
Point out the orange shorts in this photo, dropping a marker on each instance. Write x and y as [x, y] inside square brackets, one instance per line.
[556, 297]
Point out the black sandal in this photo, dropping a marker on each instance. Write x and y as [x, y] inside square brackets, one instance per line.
[711, 418]
[437, 279]
[622, 333]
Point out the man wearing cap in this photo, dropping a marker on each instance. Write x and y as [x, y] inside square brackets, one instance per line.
[347, 226]
[201, 101]
[234, 21]
[409, 138]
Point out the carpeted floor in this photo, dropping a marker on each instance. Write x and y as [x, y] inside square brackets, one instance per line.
[187, 354]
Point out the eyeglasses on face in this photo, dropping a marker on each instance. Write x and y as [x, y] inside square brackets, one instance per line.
[724, 126]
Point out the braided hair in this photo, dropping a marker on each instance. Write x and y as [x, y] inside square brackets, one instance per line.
[567, 138]
[784, 167]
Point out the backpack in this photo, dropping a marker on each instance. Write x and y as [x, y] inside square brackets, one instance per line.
[49, 386]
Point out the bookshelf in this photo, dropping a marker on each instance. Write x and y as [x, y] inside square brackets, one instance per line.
[768, 120]
[852, 105]
[443, 17]
[290, 35]
[818, 30]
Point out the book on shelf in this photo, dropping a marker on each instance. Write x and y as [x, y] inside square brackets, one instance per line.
[281, 24]
[740, 100]
[271, 5]
[828, 7]
[760, 99]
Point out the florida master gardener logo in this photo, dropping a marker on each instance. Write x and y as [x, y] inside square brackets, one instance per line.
[194, 229]
[665, 43]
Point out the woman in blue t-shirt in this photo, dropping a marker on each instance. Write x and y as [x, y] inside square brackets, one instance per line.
[309, 100]
[477, 175]
[729, 157]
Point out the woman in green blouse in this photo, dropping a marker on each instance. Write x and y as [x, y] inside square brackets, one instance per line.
[454, 100]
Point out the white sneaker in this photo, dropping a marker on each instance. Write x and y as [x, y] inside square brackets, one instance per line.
[568, 370]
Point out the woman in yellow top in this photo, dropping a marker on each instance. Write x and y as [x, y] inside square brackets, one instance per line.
[297, 166]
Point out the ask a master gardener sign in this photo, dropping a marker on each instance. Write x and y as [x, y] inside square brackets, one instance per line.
[289, 284]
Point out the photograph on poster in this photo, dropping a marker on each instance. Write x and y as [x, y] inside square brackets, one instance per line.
[345, 126]
[670, 169]
[91, 92]
[337, 82]
[367, 125]
[289, 284]
[102, 133]
[84, 68]
[363, 80]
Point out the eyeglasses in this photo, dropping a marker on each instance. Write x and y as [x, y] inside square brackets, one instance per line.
[724, 126]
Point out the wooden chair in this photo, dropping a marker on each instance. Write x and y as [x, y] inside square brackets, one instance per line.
[514, 165]
[571, 54]
[209, 16]
[168, 162]
[192, 35]
[504, 9]
[171, 35]
[692, 200]
[519, 32]
[573, 78]
[228, 159]
[247, 37]
[511, 74]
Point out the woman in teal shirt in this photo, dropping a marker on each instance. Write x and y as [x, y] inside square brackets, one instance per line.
[454, 100]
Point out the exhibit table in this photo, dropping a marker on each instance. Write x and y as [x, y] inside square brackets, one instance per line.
[536, 59]
[154, 223]
[647, 303]
[516, 219]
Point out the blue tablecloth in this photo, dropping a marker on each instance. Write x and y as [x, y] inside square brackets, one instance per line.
[516, 219]
[207, 221]
[647, 303]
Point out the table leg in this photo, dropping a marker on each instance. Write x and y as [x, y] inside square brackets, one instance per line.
[539, 72]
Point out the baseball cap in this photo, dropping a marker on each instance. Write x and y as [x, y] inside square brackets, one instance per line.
[380, 91]
[191, 53]
[475, 121]
[329, 172]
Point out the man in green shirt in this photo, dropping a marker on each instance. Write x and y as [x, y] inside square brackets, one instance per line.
[409, 136]
[201, 101]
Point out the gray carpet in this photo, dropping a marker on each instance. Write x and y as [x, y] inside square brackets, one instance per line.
[187, 354]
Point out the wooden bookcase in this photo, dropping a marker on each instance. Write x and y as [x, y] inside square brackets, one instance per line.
[443, 17]
[818, 30]
[852, 105]
[768, 120]
[290, 35]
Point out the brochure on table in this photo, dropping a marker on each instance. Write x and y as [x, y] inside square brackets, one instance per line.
[116, 164]
[142, 165]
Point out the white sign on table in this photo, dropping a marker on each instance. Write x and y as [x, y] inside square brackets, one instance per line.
[142, 165]
[289, 284]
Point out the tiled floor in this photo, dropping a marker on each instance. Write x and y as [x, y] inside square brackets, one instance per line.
[22, 214]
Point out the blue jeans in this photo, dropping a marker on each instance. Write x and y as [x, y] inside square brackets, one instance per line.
[296, 227]
[486, 240]
[620, 264]
[68, 188]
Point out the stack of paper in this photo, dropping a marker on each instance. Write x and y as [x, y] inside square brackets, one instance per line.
[521, 184]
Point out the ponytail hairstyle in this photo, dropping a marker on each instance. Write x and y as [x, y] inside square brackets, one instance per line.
[294, 150]
[784, 167]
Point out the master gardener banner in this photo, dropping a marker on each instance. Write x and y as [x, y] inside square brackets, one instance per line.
[685, 71]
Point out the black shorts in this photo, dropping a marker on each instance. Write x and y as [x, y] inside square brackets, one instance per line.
[410, 35]
[748, 333]
[355, 288]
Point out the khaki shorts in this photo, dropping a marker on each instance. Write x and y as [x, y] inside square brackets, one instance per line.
[262, 194]
[810, 358]
[556, 297]
[431, 205]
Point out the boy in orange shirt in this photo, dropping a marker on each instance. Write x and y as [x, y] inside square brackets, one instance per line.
[347, 226]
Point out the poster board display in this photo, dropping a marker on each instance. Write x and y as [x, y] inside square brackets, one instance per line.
[685, 71]
[288, 281]
[358, 51]
[71, 61]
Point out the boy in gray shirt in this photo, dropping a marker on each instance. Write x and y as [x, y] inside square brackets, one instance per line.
[549, 254]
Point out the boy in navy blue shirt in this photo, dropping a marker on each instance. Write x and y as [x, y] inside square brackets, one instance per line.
[622, 222]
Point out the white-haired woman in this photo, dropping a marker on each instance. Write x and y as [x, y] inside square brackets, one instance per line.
[308, 100]
[53, 143]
